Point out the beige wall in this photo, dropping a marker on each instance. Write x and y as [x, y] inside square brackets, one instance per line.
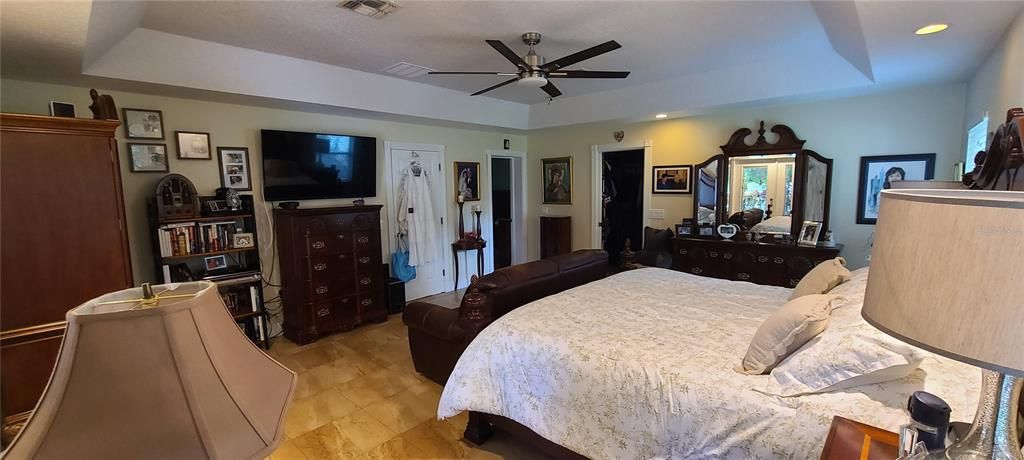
[997, 84]
[919, 120]
[239, 126]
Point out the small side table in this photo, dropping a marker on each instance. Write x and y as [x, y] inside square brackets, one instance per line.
[468, 245]
[852, 440]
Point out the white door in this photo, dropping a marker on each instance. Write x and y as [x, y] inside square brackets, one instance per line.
[431, 277]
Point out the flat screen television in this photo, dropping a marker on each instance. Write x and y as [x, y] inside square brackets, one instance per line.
[310, 166]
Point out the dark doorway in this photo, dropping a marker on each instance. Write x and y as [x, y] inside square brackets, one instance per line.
[501, 194]
[623, 217]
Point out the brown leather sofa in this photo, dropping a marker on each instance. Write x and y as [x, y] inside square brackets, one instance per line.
[438, 335]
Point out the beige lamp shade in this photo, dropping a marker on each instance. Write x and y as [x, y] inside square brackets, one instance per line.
[947, 274]
[174, 381]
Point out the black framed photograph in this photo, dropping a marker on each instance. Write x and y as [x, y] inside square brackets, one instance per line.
[673, 179]
[148, 157]
[234, 168]
[810, 231]
[467, 180]
[877, 173]
[556, 176]
[193, 145]
[143, 124]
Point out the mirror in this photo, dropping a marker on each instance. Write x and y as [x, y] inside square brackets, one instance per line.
[705, 191]
[763, 182]
[816, 187]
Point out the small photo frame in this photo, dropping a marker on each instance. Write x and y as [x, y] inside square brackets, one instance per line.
[62, 109]
[467, 180]
[673, 179]
[143, 124]
[707, 230]
[215, 263]
[809, 233]
[556, 174]
[234, 168]
[242, 240]
[727, 231]
[148, 157]
[193, 145]
[684, 229]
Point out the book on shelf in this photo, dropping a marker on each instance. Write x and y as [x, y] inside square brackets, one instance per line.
[182, 239]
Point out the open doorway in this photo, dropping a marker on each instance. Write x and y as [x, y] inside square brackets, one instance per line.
[504, 219]
[623, 202]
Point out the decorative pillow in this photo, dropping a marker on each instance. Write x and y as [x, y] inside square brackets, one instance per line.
[791, 326]
[850, 353]
[823, 278]
[657, 247]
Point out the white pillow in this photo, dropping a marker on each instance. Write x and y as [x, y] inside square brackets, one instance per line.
[849, 353]
[822, 278]
[787, 329]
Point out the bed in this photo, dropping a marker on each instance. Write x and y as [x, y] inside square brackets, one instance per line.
[640, 365]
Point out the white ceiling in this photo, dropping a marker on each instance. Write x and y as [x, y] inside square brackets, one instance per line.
[726, 50]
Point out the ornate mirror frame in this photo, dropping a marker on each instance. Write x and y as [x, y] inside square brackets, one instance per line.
[719, 182]
[788, 143]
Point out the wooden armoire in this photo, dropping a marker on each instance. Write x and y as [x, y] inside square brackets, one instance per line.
[63, 239]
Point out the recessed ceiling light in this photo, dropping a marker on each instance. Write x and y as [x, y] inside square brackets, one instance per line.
[931, 29]
[661, 115]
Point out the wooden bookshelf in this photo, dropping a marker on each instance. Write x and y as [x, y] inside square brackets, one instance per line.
[240, 293]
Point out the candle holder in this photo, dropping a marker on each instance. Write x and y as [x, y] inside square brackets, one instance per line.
[479, 236]
[462, 224]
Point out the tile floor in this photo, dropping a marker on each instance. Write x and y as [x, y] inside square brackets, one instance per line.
[359, 397]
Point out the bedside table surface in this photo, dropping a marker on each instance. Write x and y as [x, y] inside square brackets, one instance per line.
[850, 440]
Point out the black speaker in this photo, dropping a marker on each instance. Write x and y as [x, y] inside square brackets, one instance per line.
[396, 295]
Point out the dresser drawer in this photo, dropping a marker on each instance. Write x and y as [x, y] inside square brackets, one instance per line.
[340, 313]
[368, 282]
[332, 269]
[371, 307]
[365, 221]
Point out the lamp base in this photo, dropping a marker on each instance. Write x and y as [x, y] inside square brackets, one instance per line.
[993, 434]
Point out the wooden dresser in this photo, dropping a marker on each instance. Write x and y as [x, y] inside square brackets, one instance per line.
[332, 277]
[64, 242]
[761, 263]
[555, 235]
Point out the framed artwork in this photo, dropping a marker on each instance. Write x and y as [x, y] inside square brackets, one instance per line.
[467, 180]
[242, 240]
[809, 233]
[148, 157]
[878, 172]
[213, 263]
[557, 179]
[674, 179]
[193, 145]
[143, 124]
[234, 168]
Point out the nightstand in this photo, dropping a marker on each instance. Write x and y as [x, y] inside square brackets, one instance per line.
[848, 439]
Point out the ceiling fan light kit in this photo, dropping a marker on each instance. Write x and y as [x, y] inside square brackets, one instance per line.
[530, 72]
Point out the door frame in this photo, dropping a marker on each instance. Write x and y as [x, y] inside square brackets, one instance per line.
[390, 195]
[487, 226]
[597, 183]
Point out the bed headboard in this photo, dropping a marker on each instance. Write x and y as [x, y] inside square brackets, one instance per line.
[1001, 165]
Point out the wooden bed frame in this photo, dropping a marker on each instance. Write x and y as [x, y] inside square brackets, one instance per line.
[998, 171]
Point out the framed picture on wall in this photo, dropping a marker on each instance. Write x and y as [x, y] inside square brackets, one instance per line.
[234, 168]
[193, 145]
[148, 157]
[143, 124]
[674, 179]
[877, 173]
[557, 179]
[467, 180]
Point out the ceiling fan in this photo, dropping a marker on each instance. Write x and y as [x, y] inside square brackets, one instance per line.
[532, 72]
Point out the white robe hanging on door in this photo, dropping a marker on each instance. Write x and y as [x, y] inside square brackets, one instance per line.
[416, 217]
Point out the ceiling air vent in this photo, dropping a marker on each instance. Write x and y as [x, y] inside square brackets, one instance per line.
[407, 70]
[372, 8]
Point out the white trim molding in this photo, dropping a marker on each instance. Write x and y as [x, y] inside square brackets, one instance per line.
[597, 183]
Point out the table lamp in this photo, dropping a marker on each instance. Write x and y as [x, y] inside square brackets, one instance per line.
[160, 372]
[947, 276]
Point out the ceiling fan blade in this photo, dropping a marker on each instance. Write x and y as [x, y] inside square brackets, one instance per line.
[471, 73]
[509, 54]
[588, 53]
[551, 90]
[587, 74]
[499, 85]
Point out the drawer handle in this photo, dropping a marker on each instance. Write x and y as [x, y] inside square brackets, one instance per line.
[363, 239]
[743, 276]
[320, 267]
[762, 258]
[323, 312]
[697, 271]
[366, 302]
[683, 252]
[793, 283]
[341, 236]
[713, 253]
[319, 245]
[727, 255]
[365, 281]
[364, 260]
[341, 256]
[321, 289]
[779, 260]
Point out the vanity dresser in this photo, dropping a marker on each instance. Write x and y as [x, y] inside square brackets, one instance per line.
[332, 278]
[780, 180]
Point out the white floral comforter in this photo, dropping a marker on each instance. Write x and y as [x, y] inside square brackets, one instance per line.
[639, 365]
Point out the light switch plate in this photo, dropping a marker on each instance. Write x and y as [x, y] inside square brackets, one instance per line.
[545, 210]
[658, 214]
